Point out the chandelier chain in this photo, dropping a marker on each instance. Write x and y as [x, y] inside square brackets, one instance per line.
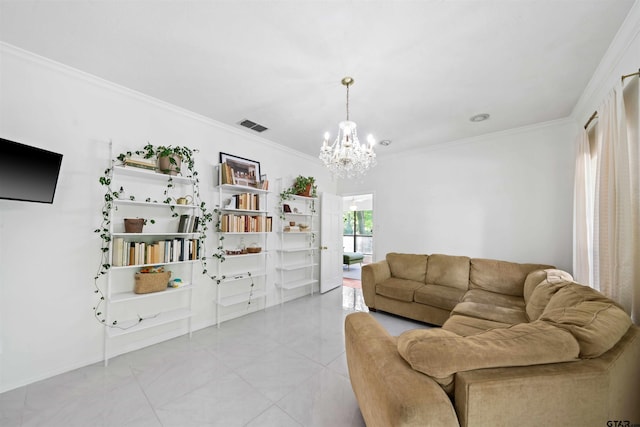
[348, 102]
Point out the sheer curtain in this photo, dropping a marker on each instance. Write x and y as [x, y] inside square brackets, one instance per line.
[607, 235]
[583, 211]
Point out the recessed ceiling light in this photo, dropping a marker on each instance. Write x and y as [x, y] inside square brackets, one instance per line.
[385, 142]
[480, 117]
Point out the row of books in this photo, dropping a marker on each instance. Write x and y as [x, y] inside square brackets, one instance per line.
[247, 201]
[136, 253]
[230, 223]
[188, 224]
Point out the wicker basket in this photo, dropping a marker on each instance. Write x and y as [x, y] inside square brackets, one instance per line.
[151, 282]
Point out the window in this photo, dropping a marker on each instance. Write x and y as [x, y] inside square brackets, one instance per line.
[358, 231]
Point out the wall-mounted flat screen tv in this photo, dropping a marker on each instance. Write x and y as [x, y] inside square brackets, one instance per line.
[28, 173]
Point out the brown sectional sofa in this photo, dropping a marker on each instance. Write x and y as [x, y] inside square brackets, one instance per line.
[520, 344]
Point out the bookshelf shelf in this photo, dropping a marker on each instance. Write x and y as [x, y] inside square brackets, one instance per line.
[140, 173]
[240, 298]
[296, 267]
[295, 284]
[125, 202]
[153, 320]
[124, 267]
[300, 249]
[131, 296]
[153, 234]
[231, 188]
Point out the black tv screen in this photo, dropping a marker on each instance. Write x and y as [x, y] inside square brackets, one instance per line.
[28, 173]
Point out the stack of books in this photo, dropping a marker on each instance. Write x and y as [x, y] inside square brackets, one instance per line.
[139, 162]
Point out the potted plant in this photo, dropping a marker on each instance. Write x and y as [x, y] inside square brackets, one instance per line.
[304, 186]
[170, 158]
[135, 225]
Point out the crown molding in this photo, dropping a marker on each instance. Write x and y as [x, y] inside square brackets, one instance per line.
[609, 69]
[6, 48]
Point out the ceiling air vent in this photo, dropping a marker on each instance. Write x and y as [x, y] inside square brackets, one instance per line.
[253, 125]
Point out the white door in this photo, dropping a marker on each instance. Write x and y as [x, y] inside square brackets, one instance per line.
[330, 242]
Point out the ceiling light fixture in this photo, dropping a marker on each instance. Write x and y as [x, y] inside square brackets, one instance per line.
[480, 117]
[346, 156]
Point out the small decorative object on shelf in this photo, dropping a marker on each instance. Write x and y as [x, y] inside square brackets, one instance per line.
[151, 279]
[184, 200]
[254, 248]
[134, 225]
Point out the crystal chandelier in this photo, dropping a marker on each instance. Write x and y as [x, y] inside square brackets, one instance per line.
[346, 156]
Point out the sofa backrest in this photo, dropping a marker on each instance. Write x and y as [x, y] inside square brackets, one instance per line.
[502, 277]
[448, 270]
[408, 266]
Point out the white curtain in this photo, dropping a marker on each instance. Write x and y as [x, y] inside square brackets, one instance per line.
[583, 211]
[616, 231]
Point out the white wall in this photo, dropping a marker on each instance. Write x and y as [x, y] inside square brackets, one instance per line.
[505, 196]
[49, 253]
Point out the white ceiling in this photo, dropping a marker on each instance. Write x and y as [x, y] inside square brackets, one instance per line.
[421, 68]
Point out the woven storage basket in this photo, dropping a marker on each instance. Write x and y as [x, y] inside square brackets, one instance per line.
[151, 282]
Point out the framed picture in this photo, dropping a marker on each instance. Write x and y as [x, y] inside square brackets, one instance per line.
[245, 172]
[286, 208]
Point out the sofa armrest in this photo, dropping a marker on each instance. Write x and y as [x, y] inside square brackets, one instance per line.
[388, 391]
[372, 274]
[584, 392]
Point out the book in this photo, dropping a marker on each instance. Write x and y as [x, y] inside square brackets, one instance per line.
[118, 249]
[140, 163]
[183, 224]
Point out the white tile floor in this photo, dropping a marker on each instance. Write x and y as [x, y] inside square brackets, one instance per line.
[284, 366]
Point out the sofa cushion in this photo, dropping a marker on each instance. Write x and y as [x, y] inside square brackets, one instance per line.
[492, 298]
[502, 277]
[438, 296]
[448, 270]
[408, 266]
[544, 291]
[538, 276]
[491, 312]
[597, 325]
[531, 281]
[465, 326]
[572, 294]
[399, 289]
[440, 353]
